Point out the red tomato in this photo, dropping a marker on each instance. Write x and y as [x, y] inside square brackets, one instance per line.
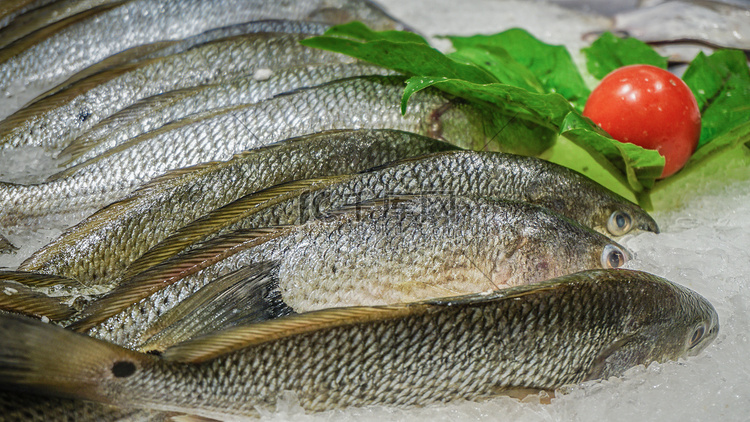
[649, 107]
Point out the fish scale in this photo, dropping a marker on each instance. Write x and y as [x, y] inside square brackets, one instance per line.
[136, 22]
[101, 246]
[403, 355]
[53, 122]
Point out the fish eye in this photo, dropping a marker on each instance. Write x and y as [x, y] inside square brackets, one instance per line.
[613, 257]
[619, 223]
[697, 336]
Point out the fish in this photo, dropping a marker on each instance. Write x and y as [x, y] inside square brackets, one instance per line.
[398, 249]
[584, 326]
[35, 19]
[481, 173]
[152, 112]
[79, 41]
[101, 246]
[215, 135]
[38, 408]
[54, 121]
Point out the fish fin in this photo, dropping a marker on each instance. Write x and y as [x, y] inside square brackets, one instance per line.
[39, 280]
[18, 298]
[212, 345]
[250, 294]
[221, 218]
[156, 278]
[527, 394]
[84, 143]
[48, 359]
[448, 149]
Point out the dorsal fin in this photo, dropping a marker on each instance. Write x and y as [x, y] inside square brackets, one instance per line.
[211, 224]
[156, 278]
[210, 346]
[39, 280]
[250, 294]
[18, 298]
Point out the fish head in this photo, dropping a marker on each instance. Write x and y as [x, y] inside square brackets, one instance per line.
[584, 200]
[665, 322]
[342, 11]
[555, 246]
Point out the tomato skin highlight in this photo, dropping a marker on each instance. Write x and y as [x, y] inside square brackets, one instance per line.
[649, 107]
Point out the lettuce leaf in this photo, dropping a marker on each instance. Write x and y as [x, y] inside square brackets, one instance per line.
[609, 52]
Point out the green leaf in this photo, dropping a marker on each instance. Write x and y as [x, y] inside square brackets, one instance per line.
[609, 52]
[498, 62]
[526, 121]
[721, 85]
[640, 166]
[359, 31]
[408, 57]
[551, 64]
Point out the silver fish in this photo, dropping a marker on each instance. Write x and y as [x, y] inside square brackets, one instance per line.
[153, 112]
[368, 254]
[575, 328]
[487, 174]
[101, 246]
[371, 102]
[54, 57]
[54, 121]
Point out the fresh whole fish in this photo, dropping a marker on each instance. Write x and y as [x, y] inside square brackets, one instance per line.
[153, 112]
[101, 246]
[55, 56]
[575, 328]
[54, 121]
[487, 174]
[385, 252]
[367, 102]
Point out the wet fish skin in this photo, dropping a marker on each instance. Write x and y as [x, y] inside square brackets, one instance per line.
[35, 19]
[101, 246]
[368, 254]
[153, 112]
[10, 9]
[367, 102]
[166, 48]
[54, 121]
[578, 327]
[138, 22]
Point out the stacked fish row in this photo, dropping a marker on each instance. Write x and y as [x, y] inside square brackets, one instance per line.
[264, 219]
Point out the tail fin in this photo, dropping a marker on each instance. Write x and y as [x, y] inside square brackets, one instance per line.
[46, 359]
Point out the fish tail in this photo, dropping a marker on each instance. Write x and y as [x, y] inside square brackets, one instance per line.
[47, 359]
